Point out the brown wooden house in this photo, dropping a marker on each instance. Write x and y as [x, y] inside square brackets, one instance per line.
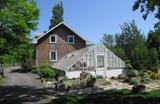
[56, 43]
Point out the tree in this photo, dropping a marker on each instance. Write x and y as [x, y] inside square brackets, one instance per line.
[57, 12]
[119, 46]
[153, 44]
[132, 45]
[153, 57]
[108, 41]
[148, 6]
[17, 19]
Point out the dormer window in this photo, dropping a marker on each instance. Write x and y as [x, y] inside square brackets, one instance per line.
[53, 38]
[71, 39]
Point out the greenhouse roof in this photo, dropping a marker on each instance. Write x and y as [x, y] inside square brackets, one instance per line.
[67, 61]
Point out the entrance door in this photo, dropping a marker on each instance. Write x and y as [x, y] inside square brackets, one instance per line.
[100, 64]
[100, 61]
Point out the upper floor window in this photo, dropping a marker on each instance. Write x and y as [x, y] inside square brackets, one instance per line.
[71, 39]
[53, 39]
[53, 55]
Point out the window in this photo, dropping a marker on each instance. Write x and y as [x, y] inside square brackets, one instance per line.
[71, 39]
[53, 56]
[100, 61]
[53, 39]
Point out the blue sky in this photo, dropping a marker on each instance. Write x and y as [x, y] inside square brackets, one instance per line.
[92, 18]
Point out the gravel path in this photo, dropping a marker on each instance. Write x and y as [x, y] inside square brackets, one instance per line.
[22, 88]
[14, 78]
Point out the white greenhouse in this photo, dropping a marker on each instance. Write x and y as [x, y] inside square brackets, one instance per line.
[95, 59]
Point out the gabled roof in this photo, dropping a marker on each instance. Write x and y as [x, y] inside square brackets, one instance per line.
[62, 23]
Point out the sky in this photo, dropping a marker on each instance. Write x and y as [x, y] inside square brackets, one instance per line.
[92, 18]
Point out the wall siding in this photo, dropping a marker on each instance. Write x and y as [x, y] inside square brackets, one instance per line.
[62, 47]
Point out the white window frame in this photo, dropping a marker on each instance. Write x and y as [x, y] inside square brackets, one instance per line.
[55, 55]
[69, 36]
[51, 38]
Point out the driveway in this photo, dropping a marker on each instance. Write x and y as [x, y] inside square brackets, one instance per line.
[22, 88]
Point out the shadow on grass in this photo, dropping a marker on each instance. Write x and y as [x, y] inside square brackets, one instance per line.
[21, 94]
[110, 97]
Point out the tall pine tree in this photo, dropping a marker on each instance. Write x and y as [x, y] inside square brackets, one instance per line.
[57, 16]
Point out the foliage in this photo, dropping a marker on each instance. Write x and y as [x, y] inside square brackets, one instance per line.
[134, 81]
[17, 19]
[144, 80]
[134, 42]
[130, 45]
[143, 74]
[2, 80]
[59, 72]
[154, 75]
[132, 73]
[57, 12]
[46, 71]
[108, 41]
[153, 42]
[148, 6]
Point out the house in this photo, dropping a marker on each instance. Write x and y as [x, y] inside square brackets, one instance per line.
[65, 50]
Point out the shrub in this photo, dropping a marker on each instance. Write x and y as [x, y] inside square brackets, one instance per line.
[142, 73]
[129, 66]
[35, 70]
[132, 73]
[134, 81]
[153, 75]
[47, 72]
[144, 80]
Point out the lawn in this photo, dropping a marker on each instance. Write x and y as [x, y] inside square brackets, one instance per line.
[111, 97]
[1, 80]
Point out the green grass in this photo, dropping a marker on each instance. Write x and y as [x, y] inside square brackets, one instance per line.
[1, 81]
[111, 97]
